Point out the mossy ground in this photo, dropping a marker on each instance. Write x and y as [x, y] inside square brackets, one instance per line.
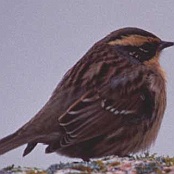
[137, 164]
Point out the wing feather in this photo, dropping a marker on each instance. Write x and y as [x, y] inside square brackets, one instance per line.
[102, 111]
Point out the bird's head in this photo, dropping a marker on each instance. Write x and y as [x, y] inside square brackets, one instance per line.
[137, 43]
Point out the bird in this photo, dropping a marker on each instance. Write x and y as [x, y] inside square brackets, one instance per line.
[111, 102]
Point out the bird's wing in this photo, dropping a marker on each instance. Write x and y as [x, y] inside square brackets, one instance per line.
[124, 100]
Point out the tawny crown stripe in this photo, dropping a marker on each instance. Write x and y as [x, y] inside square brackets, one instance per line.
[134, 40]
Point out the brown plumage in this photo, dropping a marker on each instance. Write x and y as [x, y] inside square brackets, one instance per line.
[111, 102]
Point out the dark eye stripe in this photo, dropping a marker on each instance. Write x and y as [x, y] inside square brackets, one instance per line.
[141, 53]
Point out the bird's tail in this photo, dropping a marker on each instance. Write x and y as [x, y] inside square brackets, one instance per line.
[12, 141]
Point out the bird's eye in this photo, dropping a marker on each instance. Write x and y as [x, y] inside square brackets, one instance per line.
[143, 50]
[148, 48]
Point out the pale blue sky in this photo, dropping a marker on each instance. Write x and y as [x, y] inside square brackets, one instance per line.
[40, 40]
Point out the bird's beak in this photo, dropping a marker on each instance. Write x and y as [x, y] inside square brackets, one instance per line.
[165, 44]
